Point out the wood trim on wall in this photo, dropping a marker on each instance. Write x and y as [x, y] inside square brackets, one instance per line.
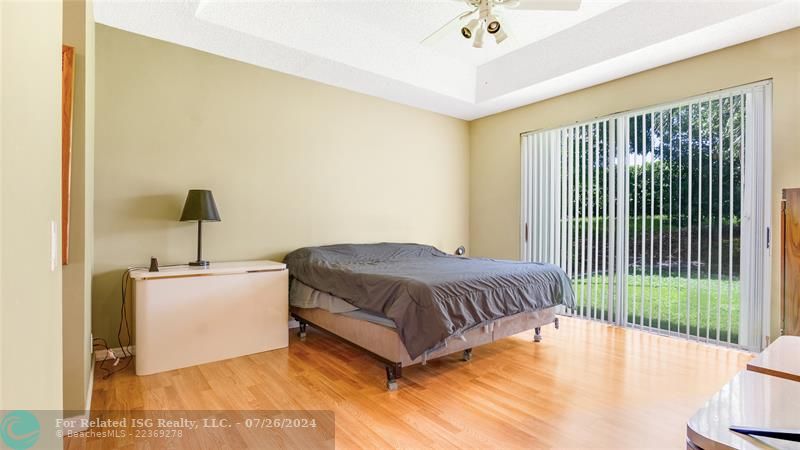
[783, 263]
[67, 95]
[790, 262]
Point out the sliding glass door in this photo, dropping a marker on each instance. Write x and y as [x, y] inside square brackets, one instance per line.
[659, 216]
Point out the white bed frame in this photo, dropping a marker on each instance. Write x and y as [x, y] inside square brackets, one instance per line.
[384, 343]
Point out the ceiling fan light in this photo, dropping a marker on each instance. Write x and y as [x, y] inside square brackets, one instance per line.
[493, 26]
[500, 36]
[468, 29]
[478, 42]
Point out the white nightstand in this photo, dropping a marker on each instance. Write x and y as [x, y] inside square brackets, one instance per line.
[189, 315]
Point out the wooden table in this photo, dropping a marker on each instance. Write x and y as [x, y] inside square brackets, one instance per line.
[780, 359]
[749, 399]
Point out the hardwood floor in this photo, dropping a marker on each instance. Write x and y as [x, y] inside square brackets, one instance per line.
[587, 385]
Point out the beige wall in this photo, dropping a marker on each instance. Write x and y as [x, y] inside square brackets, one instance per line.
[30, 332]
[291, 163]
[495, 140]
[78, 33]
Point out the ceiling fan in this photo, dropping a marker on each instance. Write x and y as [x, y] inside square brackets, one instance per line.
[481, 18]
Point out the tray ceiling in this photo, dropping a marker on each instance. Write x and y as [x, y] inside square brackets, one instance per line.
[373, 46]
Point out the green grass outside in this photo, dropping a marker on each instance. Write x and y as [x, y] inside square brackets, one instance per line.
[671, 294]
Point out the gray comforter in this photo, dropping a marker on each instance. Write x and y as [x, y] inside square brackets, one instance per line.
[429, 294]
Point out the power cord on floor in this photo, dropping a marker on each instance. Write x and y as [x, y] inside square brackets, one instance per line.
[123, 324]
[100, 344]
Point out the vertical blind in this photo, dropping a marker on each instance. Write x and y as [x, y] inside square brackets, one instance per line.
[659, 216]
[569, 208]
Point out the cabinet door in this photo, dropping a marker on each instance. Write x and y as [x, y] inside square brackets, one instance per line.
[791, 262]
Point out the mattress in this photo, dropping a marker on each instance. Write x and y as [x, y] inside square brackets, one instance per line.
[429, 295]
[360, 314]
[306, 297]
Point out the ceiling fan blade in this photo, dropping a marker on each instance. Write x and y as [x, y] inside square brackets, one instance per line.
[451, 26]
[542, 5]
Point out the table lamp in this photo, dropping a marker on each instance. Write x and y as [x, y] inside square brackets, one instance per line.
[200, 206]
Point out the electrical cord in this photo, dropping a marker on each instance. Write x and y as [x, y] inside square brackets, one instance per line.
[123, 323]
[102, 345]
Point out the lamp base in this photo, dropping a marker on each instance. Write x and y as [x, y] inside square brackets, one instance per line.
[199, 263]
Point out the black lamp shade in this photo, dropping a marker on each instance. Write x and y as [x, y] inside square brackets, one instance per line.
[200, 206]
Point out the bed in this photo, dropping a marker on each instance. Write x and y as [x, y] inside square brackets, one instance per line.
[409, 303]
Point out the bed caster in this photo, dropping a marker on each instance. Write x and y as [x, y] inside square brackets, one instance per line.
[393, 372]
[537, 336]
[555, 322]
[467, 355]
[302, 333]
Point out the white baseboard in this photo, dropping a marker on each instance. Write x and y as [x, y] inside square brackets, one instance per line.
[100, 355]
[90, 389]
[78, 423]
[75, 424]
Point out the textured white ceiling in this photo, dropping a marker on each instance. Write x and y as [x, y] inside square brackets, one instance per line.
[373, 46]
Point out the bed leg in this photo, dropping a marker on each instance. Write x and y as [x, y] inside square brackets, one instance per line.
[555, 322]
[537, 336]
[393, 372]
[302, 333]
[467, 355]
